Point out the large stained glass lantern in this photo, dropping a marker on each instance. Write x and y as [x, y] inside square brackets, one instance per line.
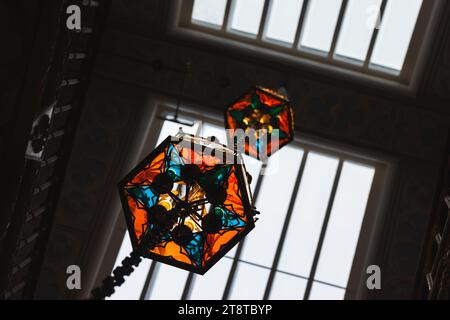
[188, 203]
[262, 120]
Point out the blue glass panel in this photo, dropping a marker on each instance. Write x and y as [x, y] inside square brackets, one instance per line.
[195, 248]
[174, 162]
[229, 220]
[144, 195]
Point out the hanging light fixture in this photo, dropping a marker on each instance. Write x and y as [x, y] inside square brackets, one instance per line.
[186, 204]
[265, 118]
[186, 75]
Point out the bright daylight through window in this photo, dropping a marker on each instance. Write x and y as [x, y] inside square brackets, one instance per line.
[315, 222]
[369, 35]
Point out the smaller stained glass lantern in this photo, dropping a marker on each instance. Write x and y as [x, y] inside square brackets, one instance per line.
[188, 203]
[263, 119]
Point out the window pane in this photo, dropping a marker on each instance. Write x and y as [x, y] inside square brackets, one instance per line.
[249, 282]
[209, 11]
[170, 128]
[273, 201]
[283, 19]
[286, 287]
[356, 32]
[253, 167]
[211, 285]
[320, 291]
[168, 283]
[320, 24]
[246, 15]
[395, 34]
[345, 223]
[209, 130]
[131, 289]
[306, 222]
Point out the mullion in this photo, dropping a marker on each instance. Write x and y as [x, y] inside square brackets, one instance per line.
[187, 286]
[323, 231]
[374, 38]
[233, 269]
[285, 226]
[226, 291]
[337, 30]
[262, 26]
[145, 290]
[301, 21]
[227, 15]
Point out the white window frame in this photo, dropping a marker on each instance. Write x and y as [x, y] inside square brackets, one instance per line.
[373, 219]
[407, 82]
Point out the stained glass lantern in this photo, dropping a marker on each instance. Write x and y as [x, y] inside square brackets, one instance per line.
[188, 203]
[265, 118]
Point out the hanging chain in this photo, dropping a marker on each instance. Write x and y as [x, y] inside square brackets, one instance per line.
[147, 243]
[186, 74]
